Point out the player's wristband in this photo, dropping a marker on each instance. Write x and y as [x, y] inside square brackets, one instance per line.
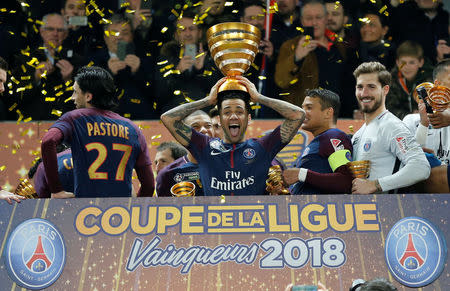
[339, 158]
[302, 174]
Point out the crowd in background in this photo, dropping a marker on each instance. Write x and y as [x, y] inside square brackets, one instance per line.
[158, 55]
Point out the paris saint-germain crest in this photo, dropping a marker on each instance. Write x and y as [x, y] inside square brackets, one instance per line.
[35, 254]
[415, 252]
[249, 153]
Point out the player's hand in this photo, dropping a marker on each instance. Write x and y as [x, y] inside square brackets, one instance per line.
[304, 47]
[63, 195]
[66, 69]
[252, 91]
[9, 197]
[185, 63]
[363, 186]
[200, 60]
[427, 150]
[440, 119]
[134, 62]
[212, 97]
[290, 175]
[115, 65]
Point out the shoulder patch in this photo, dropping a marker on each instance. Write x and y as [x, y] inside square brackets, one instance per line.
[337, 144]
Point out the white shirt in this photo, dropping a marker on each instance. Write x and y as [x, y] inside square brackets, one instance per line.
[383, 140]
[436, 139]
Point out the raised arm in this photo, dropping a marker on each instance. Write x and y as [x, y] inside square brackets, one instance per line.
[173, 119]
[293, 114]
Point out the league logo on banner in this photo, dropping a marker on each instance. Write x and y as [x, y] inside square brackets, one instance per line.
[35, 254]
[415, 252]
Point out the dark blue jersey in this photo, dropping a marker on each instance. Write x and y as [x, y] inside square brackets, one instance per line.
[235, 169]
[180, 170]
[105, 148]
[65, 172]
[316, 157]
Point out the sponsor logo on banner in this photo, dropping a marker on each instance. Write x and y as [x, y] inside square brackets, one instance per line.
[415, 252]
[35, 254]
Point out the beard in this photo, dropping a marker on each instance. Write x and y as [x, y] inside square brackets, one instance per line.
[373, 108]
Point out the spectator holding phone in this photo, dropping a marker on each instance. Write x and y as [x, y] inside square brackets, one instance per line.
[133, 75]
[312, 59]
[81, 37]
[186, 70]
[46, 80]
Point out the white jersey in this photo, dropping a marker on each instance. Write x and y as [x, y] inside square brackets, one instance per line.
[382, 141]
[436, 139]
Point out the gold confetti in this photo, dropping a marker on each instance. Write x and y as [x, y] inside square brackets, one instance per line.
[127, 115]
[164, 29]
[25, 77]
[222, 199]
[199, 55]
[56, 112]
[27, 119]
[2, 168]
[142, 126]
[229, 3]
[293, 81]
[364, 20]
[177, 92]
[68, 99]
[12, 107]
[284, 94]
[262, 77]
[59, 93]
[155, 143]
[162, 62]
[382, 9]
[50, 99]
[137, 101]
[90, 64]
[256, 107]
[156, 136]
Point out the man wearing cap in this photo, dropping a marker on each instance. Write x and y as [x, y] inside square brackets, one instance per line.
[234, 166]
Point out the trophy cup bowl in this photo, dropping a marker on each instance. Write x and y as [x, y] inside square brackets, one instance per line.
[275, 180]
[26, 189]
[426, 85]
[233, 46]
[183, 189]
[439, 98]
[359, 169]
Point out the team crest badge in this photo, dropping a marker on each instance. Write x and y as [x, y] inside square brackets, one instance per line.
[415, 252]
[35, 254]
[367, 145]
[249, 153]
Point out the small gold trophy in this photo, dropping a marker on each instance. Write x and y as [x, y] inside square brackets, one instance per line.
[233, 46]
[359, 169]
[438, 97]
[26, 189]
[183, 189]
[275, 180]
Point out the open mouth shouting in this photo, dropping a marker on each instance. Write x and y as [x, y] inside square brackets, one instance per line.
[234, 129]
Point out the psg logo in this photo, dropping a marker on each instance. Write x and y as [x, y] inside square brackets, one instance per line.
[249, 153]
[35, 254]
[367, 146]
[415, 252]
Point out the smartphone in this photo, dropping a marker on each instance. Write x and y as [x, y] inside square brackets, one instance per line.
[78, 20]
[190, 50]
[146, 4]
[124, 49]
[304, 288]
[422, 92]
[309, 30]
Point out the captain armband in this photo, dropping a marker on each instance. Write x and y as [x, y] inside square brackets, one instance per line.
[339, 158]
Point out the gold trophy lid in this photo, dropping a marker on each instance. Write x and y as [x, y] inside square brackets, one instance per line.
[233, 46]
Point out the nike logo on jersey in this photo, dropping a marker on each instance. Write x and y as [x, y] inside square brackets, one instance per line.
[213, 153]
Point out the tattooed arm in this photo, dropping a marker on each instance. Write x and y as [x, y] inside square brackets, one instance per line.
[173, 119]
[293, 114]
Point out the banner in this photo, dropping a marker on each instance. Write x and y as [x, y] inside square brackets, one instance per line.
[225, 243]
